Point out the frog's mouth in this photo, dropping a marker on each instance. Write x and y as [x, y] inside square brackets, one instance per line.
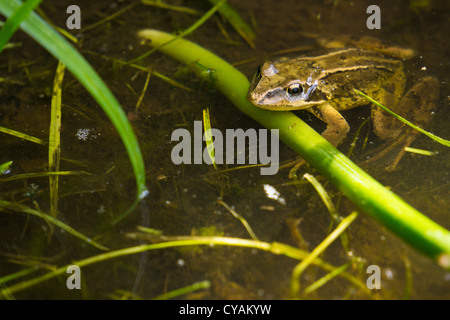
[284, 106]
[285, 98]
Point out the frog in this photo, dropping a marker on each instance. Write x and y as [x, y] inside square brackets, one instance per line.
[323, 82]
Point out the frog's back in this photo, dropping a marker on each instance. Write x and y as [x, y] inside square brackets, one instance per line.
[338, 72]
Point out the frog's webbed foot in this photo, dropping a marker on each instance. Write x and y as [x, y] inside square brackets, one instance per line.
[403, 140]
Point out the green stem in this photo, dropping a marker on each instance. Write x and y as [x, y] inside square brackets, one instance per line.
[369, 195]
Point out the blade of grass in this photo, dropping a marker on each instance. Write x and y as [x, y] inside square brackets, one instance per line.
[408, 279]
[274, 247]
[163, 5]
[208, 137]
[18, 274]
[205, 284]
[59, 29]
[231, 15]
[7, 294]
[373, 198]
[42, 174]
[109, 18]
[298, 270]
[196, 25]
[11, 206]
[54, 140]
[421, 151]
[326, 199]
[355, 138]
[331, 275]
[39, 30]
[141, 97]
[14, 276]
[324, 196]
[22, 135]
[170, 81]
[241, 219]
[5, 167]
[145, 69]
[428, 134]
[11, 25]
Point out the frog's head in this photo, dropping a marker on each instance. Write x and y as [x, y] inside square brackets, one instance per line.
[276, 87]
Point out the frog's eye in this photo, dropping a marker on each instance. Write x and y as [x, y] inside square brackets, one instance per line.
[295, 89]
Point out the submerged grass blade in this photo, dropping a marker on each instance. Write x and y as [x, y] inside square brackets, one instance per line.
[369, 195]
[18, 274]
[274, 247]
[319, 283]
[22, 135]
[5, 166]
[54, 140]
[11, 206]
[145, 69]
[241, 219]
[59, 47]
[185, 290]
[421, 151]
[231, 15]
[208, 137]
[5, 292]
[326, 199]
[298, 270]
[428, 134]
[324, 196]
[189, 30]
[109, 18]
[170, 81]
[42, 174]
[8, 295]
[141, 97]
[163, 5]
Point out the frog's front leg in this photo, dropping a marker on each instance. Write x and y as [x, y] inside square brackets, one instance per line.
[337, 126]
[417, 106]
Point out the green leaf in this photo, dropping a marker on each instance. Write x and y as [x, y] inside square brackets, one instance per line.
[59, 47]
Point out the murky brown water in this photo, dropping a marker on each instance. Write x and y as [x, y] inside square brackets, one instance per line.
[183, 198]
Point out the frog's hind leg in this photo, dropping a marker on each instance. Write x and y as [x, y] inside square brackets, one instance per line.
[418, 106]
[385, 126]
[367, 43]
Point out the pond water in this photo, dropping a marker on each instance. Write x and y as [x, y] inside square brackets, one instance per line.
[183, 199]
